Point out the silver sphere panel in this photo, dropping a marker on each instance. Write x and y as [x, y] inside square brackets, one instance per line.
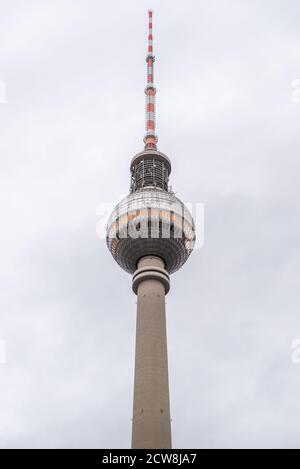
[150, 222]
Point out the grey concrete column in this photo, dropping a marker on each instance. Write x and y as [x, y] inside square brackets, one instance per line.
[151, 426]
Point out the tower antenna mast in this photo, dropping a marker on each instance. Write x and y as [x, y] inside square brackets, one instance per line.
[150, 138]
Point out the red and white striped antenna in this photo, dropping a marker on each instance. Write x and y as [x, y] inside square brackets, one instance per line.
[150, 138]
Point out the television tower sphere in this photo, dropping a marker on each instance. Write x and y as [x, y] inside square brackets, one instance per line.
[151, 220]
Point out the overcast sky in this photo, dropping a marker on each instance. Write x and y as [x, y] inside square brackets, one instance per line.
[71, 118]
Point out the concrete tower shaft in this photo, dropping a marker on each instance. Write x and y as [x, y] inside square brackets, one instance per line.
[151, 423]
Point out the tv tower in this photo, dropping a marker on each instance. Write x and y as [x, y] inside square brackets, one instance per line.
[150, 234]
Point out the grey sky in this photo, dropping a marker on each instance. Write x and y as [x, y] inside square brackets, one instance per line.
[73, 119]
